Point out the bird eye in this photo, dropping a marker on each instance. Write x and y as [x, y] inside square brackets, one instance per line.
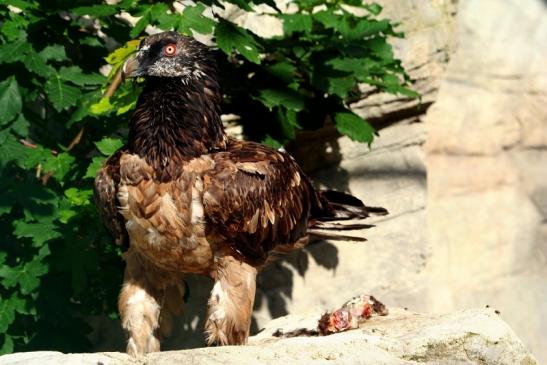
[170, 49]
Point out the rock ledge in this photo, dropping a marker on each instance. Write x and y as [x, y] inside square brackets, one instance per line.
[477, 336]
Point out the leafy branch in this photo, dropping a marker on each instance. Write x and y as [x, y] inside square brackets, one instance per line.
[60, 77]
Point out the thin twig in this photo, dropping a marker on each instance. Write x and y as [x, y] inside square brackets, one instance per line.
[76, 139]
[114, 85]
[45, 178]
[28, 144]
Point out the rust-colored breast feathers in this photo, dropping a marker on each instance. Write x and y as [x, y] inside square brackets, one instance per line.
[165, 218]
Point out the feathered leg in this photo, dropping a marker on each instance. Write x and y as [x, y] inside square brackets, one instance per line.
[231, 302]
[146, 289]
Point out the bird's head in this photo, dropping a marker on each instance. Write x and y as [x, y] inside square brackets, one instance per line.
[169, 54]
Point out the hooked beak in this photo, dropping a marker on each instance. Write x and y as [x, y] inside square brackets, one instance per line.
[131, 68]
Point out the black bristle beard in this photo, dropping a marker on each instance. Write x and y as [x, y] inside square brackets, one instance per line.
[176, 120]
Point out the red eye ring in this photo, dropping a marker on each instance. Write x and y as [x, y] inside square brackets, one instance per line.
[170, 50]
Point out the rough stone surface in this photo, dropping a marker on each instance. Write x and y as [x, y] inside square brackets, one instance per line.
[468, 337]
[430, 39]
[486, 158]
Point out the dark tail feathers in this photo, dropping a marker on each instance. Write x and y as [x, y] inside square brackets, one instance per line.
[337, 207]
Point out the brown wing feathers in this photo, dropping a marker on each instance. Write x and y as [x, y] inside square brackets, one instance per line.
[106, 189]
[256, 198]
[336, 207]
[341, 206]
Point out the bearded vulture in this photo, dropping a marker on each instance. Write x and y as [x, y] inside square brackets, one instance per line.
[183, 197]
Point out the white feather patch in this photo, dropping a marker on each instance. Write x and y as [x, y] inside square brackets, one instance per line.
[197, 203]
[138, 297]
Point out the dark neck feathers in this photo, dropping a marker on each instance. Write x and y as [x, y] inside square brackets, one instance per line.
[176, 120]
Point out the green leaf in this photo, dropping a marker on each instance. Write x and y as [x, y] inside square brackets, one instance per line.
[101, 107]
[94, 166]
[75, 75]
[21, 125]
[39, 232]
[328, 18]
[107, 146]
[8, 307]
[27, 275]
[331, 81]
[288, 121]
[92, 42]
[125, 98]
[12, 28]
[145, 19]
[59, 165]
[10, 100]
[83, 108]
[242, 4]
[230, 37]
[354, 127]
[101, 10]
[7, 346]
[21, 4]
[297, 23]
[7, 314]
[79, 197]
[65, 214]
[54, 52]
[157, 10]
[381, 48]
[392, 84]
[168, 21]
[308, 5]
[121, 54]
[25, 157]
[287, 98]
[366, 28]
[192, 18]
[30, 277]
[350, 64]
[61, 95]
[271, 142]
[13, 52]
[283, 70]
[341, 85]
[373, 8]
[125, 108]
[36, 63]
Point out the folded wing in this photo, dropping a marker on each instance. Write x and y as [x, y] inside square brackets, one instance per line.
[256, 198]
[106, 188]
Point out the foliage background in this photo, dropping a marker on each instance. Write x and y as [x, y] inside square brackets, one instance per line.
[57, 264]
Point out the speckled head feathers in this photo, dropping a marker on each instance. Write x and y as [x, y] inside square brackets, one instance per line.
[170, 54]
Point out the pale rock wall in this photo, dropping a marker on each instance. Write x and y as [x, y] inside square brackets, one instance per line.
[486, 157]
